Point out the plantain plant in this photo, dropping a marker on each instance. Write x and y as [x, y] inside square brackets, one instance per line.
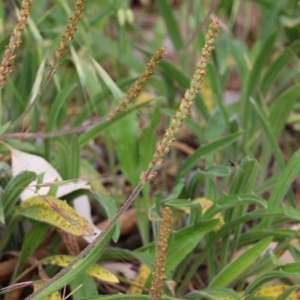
[230, 210]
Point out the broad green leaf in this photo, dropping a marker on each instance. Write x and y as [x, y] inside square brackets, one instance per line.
[233, 270]
[216, 293]
[97, 129]
[125, 134]
[95, 270]
[55, 212]
[83, 287]
[189, 237]
[210, 148]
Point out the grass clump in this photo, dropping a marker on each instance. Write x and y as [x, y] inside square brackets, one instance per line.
[226, 189]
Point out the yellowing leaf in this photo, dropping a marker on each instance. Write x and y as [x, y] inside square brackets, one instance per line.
[205, 205]
[24, 161]
[140, 279]
[95, 270]
[55, 212]
[207, 95]
[53, 296]
[273, 291]
[144, 97]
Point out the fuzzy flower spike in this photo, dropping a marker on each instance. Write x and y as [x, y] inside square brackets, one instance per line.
[14, 42]
[185, 105]
[67, 37]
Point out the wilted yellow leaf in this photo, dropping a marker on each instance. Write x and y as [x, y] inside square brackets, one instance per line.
[94, 270]
[144, 97]
[55, 212]
[207, 95]
[273, 291]
[205, 205]
[140, 279]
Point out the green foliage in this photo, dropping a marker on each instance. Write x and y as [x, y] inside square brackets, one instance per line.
[245, 155]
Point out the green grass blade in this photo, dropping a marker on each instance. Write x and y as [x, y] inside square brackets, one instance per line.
[54, 114]
[280, 272]
[279, 63]
[269, 134]
[285, 295]
[88, 287]
[73, 159]
[245, 177]
[251, 81]
[284, 182]
[14, 189]
[211, 148]
[216, 293]
[240, 54]
[281, 108]
[230, 201]
[32, 240]
[69, 274]
[189, 237]
[111, 208]
[261, 213]
[232, 271]
[171, 23]
[97, 129]
[129, 297]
